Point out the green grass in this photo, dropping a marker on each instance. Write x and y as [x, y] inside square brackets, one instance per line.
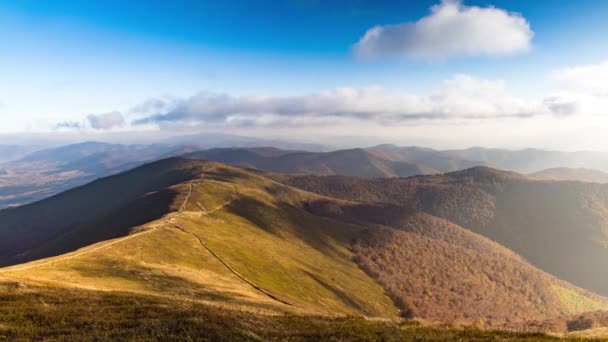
[302, 259]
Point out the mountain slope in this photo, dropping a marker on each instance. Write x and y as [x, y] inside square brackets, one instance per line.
[559, 226]
[223, 239]
[569, 174]
[50, 171]
[433, 159]
[104, 209]
[237, 239]
[532, 160]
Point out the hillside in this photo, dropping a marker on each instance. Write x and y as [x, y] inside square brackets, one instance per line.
[434, 159]
[50, 171]
[222, 239]
[223, 236]
[55, 314]
[532, 160]
[354, 162]
[568, 174]
[12, 152]
[558, 226]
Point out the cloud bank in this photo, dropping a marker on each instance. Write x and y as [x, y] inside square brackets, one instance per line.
[460, 97]
[451, 29]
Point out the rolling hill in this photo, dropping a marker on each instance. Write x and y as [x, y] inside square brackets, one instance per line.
[559, 227]
[50, 171]
[220, 236]
[569, 174]
[434, 159]
[395, 161]
[354, 162]
[532, 160]
[12, 152]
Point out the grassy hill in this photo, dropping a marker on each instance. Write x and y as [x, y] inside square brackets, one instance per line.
[223, 238]
[209, 234]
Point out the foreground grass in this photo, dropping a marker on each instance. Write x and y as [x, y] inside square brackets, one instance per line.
[41, 313]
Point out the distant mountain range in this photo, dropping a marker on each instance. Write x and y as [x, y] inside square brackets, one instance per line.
[571, 174]
[392, 161]
[12, 152]
[46, 172]
[34, 175]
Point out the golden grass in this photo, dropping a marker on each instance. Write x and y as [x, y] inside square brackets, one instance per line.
[575, 302]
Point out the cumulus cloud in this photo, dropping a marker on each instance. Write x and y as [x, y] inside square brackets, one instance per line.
[451, 29]
[459, 97]
[106, 121]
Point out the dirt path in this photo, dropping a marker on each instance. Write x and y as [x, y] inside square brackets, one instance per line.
[235, 272]
[183, 206]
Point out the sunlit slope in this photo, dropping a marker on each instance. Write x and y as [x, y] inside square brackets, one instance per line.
[233, 239]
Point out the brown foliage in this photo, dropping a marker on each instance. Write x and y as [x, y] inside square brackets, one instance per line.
[451, 275]
[559, 227]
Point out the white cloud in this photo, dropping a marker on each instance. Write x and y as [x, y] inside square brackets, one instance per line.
[581, 89]
[451, 29]
[106, 121]
[459, 97]
[591, 79]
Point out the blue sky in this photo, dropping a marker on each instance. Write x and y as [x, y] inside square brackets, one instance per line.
[63, 61]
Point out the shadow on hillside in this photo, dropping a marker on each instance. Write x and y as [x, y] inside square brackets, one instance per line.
[104, 226]
[284, 219]
[343, 296]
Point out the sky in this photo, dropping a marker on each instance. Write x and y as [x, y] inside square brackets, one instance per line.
[443, 73]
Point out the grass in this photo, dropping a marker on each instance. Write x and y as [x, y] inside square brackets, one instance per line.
[303, 259]
[163, 284]
[575, 303]
[51, 314]
[298, 257]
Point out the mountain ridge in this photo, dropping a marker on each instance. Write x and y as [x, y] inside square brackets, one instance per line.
[298, 252]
